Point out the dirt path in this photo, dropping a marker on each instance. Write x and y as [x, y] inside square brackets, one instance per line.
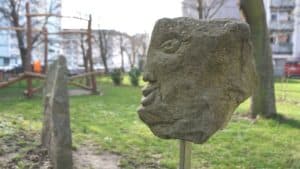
[85, 157]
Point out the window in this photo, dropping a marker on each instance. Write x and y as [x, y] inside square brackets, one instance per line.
[6, 61]
[3, 50]
[283, 16]
[291, 16]
[288, 38]
[284, 38]
[272, 40]
[273, 17]
[1, 61]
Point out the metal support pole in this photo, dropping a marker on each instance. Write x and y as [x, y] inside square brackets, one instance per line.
[45, 49]
[185, 155]
[28, 51]
[89, 55]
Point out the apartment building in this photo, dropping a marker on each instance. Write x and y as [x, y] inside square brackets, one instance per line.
[74, 45]
[281, 22]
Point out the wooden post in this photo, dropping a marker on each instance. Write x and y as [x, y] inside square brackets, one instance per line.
[185, 155]
[90, 55]
[45, 49]
[28, 51]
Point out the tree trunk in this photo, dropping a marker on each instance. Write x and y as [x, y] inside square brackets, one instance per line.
[103, 49]
[19, 34]
[130, 60]
[104, 59]
[22, 48]
[200, 9]
[131, 57]
[133, 60]
[86, 69]
[122, 54]
[263, 100]
[85, 62]
[122, 60]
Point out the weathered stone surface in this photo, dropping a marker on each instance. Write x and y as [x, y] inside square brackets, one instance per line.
[198, 73]
[56, 134]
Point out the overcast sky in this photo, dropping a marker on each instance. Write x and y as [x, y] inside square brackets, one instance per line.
[131, 16]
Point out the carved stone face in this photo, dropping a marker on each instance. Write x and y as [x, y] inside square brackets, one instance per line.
[198, 73]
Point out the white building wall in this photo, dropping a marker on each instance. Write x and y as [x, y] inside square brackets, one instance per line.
[230, 9]
[267, 9]
[296, 38]
[4, 38]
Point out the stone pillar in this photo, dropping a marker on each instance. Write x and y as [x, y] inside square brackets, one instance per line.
[56, 133]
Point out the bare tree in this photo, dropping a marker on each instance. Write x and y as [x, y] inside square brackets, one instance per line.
[105, 43]
[138, 47]
[11, 11]
[122, 50]
[143, 49]
[263, 100]
[209, 8]
[134, 46]
[200, 8]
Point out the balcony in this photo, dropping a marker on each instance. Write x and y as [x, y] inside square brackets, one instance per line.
[288, 4]
[282, 48]
[282, 26]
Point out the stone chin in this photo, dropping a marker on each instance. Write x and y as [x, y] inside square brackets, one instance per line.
[156, 113]
[172, 129]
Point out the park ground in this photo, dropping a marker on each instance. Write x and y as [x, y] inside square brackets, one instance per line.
[108, 125]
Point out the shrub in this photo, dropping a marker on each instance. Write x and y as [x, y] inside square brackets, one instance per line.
[116, 77]
[134, 75]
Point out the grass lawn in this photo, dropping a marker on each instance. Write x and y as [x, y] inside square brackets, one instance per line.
[111, 122]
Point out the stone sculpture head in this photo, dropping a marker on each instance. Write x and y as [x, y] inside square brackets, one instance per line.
[198, 72]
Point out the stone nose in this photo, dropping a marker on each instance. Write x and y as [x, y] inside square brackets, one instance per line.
[149, 77]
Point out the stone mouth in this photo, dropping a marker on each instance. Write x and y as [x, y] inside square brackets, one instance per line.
[149, 94]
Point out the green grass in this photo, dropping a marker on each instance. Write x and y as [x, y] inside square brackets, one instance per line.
[111, 122]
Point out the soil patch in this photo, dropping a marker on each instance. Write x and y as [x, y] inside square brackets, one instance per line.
[21, 150]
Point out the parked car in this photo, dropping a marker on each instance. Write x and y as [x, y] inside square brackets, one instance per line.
[292, 68]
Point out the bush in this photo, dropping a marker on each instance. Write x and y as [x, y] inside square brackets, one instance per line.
[116, 77]
[134, 75]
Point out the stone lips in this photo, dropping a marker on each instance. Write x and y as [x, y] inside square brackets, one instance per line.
[198, 72]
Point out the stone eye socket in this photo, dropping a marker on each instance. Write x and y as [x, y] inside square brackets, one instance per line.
[170, 46]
